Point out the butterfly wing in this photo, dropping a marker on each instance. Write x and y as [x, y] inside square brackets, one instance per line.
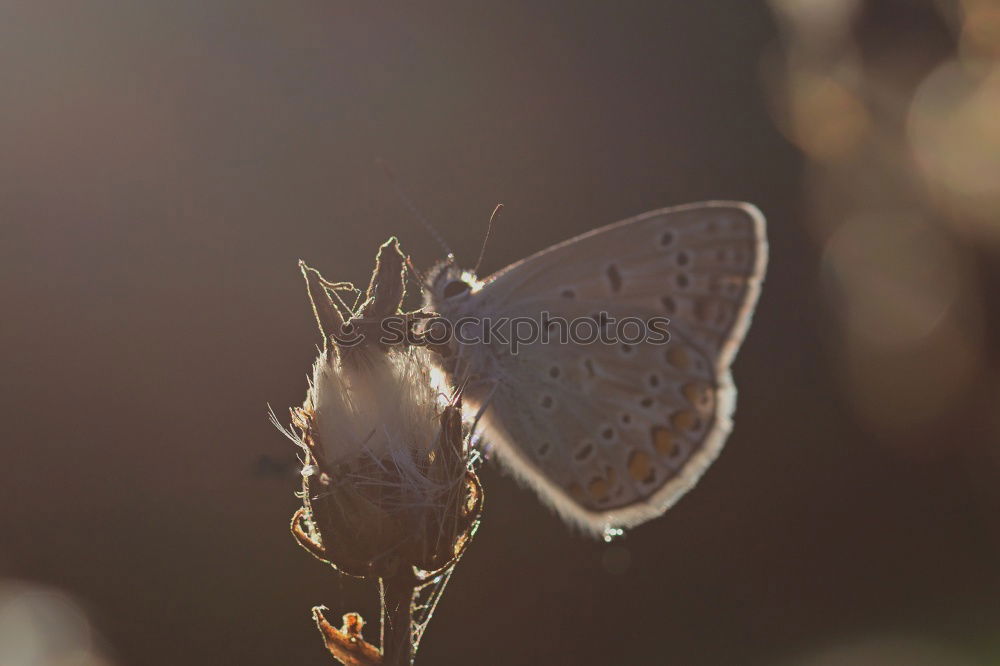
[613, 435]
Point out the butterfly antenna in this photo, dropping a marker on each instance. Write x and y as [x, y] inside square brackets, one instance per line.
[482, 251]
[401, 195]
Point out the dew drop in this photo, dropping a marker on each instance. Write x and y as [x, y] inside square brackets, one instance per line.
[612, 533]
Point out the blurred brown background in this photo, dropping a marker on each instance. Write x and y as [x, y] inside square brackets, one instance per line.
[164, 164]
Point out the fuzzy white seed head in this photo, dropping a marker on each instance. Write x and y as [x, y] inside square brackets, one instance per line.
[380, 409]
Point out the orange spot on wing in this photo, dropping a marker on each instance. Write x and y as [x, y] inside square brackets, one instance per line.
[640, 467]
[664, 441]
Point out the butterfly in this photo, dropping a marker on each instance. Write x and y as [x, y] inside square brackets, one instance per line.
[612, 435]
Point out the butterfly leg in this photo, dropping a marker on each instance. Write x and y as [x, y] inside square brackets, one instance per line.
[482, 410]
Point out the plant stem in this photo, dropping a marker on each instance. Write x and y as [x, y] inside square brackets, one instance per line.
[397, 617]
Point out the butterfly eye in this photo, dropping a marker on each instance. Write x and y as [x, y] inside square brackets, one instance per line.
[454, 288]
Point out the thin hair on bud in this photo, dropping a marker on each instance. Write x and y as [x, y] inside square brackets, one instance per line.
[417, 275]
[283, 429]
[486, 238]
[334, 289]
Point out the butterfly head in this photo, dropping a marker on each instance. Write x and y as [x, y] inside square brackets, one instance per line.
[447, 283]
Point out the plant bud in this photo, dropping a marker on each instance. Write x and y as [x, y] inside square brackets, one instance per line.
[387, 481]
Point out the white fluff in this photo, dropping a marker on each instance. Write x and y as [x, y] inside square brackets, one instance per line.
[384, 408]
